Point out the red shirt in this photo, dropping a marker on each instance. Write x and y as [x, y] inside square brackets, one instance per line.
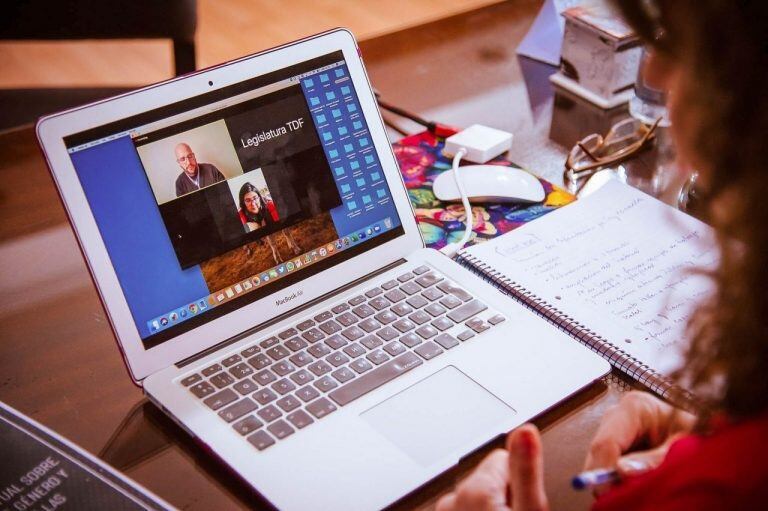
[727, 469]
[270, 207]
[272, 210]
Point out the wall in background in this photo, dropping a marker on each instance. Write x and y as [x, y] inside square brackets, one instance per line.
[226, 29]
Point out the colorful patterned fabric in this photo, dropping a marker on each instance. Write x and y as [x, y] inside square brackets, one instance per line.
[421, 161]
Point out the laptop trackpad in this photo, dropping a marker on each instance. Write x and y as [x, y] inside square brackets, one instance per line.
[438, 415]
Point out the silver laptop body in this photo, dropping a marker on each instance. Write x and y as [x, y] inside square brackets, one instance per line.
[253, 244]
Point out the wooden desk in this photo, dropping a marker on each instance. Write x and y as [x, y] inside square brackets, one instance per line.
[58, 359]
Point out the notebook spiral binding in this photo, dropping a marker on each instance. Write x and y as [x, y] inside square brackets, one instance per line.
[616, 356]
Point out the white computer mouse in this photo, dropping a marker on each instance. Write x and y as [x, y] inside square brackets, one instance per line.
[490, 183]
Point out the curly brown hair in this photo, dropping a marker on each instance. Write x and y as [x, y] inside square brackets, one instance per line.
[722, 46]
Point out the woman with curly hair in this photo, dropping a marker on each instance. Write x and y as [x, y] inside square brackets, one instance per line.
[253, 209]
[712, 58]
[256, 212]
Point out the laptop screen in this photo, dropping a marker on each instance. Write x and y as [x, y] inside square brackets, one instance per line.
[209, 204]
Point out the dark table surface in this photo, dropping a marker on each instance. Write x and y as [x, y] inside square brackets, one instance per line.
[58, 359]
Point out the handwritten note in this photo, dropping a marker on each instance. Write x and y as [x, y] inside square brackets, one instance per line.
[619, 262]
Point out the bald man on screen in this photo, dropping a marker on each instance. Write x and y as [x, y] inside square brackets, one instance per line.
[195, 175]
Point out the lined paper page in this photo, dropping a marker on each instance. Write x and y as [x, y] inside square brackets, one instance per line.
[617, 262]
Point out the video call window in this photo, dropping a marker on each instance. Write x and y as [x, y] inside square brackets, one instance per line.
[231, 177]
[179, 230]
[189, 161]
[255, 205]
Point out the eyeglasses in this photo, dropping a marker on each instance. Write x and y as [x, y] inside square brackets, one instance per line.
[254, 200]
[624, 140]
[185, 159]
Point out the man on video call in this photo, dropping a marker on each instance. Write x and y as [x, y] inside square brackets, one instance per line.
[195, 175]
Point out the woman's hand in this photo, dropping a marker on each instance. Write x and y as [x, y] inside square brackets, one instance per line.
[638, 419]
[504, 480]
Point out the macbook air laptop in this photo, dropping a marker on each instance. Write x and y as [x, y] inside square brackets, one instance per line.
[251, 238]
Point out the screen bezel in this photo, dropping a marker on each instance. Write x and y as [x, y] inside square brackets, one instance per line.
[142, 362]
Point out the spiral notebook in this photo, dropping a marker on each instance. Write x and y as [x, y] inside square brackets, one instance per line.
[616, 270]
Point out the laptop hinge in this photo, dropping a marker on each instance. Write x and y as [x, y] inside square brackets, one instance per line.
[281, 317]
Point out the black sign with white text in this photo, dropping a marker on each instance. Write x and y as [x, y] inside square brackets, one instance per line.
[40, 471]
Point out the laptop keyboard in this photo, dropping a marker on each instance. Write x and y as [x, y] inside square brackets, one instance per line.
[288, 381]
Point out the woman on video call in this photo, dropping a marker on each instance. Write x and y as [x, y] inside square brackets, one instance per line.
[254, 212]
[257, 212]
[711, 56]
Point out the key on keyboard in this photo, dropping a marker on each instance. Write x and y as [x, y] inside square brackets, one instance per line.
[367, 341]
[374, 379]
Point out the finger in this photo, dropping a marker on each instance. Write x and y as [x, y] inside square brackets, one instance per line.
[614, 435]
[526, 469]
[642, 461]
[486, 486]
[636, 415]
[447, 503]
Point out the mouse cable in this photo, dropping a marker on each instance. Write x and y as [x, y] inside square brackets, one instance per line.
[452, 248]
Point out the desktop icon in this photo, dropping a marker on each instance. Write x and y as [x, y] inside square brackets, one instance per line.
[307, 259]
[377, 227]
[247, 285]
[346, 241]
[183, 313]
[354, 238]
[314, 254]
[163, 321]
[201, 304]
[361, 235]
[323, 252]
[229, 293]
[388, 222]
[193, 308]
[369, 231]
[211, 301]
[281, 269]
[265, 277]
[238, 288]
[290, 266]
[273, 274]
[155, 325]
[298, 263]
[339, 245]
[220, 297]
[173, 316]
[330, 248]
[255, 280]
